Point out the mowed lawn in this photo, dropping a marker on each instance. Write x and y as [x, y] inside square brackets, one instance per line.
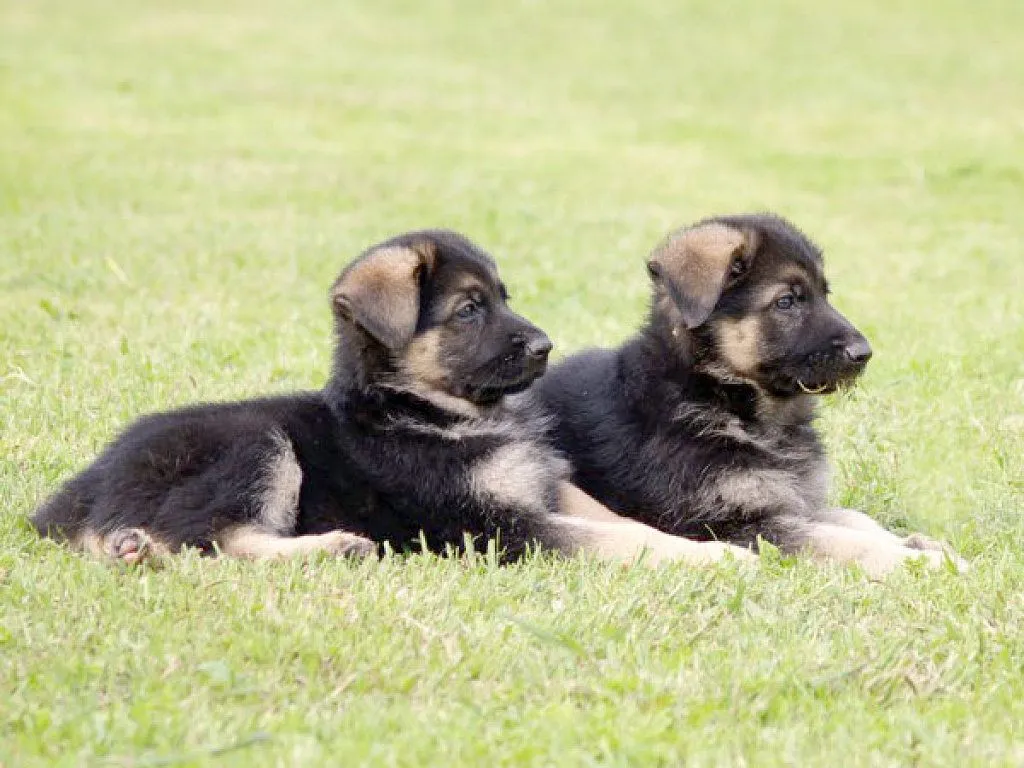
[181, 181]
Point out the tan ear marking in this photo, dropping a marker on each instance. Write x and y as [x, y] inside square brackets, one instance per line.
[695, 265]
[379, 292]
[427, 249]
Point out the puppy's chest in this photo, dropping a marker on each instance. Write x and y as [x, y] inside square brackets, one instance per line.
[736, 465]
[502, 465]
[520, 475]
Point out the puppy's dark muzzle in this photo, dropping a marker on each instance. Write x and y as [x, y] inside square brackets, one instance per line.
[839, 361]
[838, 364]
[526, 360]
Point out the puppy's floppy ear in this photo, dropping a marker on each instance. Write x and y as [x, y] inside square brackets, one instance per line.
[695, 265]
[380, 291]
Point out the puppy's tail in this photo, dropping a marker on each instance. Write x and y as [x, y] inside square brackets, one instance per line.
[63, 516]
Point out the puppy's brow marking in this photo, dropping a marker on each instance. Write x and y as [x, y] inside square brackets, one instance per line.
[793, 276]
[469, 284]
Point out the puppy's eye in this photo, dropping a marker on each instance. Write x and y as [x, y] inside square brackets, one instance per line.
[467, 311]
[785, 302]
[738, 267]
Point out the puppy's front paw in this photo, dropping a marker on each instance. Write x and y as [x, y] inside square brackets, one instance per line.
[881, 563]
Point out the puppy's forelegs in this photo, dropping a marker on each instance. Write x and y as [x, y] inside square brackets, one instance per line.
[631, 541]
[584, 524]
[851, 518]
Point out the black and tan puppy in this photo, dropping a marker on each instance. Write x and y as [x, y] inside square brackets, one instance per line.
[412, 440]
[702, 424]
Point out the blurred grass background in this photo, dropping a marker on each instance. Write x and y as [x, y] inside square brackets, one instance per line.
[179, 184]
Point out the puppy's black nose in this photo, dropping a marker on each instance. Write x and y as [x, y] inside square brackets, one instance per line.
[538, 347]
[858, 351]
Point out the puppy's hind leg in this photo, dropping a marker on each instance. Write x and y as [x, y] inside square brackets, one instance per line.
[134, 546]
[270, 534]
[257, 542]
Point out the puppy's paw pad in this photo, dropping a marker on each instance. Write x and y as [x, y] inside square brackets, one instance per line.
[931, 558]
[944, 552]
[349, 545]
[129, 545]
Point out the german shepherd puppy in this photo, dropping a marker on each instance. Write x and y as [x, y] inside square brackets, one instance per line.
[414, 439]
[702, 424]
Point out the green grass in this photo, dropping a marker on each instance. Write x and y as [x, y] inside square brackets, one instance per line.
[180, 182]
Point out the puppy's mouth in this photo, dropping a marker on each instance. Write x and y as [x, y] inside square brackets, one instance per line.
[491, 395]
[814, 383]
[510, 376]
[815, 377]
[813, 387]
[821, 389]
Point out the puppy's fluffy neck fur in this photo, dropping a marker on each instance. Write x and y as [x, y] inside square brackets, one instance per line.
[364, 371]
[668, 363]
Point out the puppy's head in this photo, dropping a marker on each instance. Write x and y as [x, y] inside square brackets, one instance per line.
[748, 296]
[429, 312]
